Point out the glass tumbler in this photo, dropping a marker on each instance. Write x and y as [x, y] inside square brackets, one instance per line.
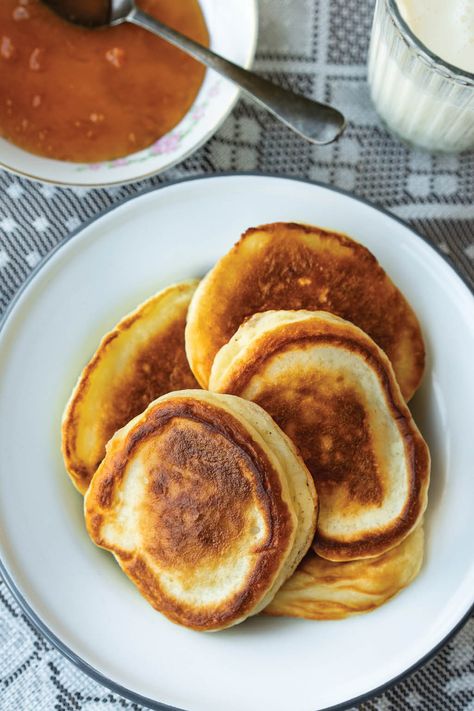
[421, 98]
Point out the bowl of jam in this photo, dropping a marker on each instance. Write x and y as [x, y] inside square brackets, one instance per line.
[81, 106]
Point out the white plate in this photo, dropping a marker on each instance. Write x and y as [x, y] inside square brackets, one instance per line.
[78, 592]
[233, 34]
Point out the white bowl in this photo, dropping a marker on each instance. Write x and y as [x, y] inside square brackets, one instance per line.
[233, 34]
[77, 594]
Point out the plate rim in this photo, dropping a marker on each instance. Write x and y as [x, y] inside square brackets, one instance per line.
[35, 619]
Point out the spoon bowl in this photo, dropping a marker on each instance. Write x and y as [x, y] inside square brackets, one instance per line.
[92, 13]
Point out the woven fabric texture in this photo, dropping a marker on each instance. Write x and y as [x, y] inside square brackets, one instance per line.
[318, 47]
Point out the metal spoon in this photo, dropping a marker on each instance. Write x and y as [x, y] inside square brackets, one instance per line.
[318, 123]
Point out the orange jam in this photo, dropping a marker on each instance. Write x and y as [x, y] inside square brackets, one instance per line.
[89, 95]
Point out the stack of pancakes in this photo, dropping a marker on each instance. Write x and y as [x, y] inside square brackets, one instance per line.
[296, 480]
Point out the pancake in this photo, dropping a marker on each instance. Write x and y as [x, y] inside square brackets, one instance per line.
[323, 590]
[141, 359]
[333, 391]
[291, 266]
[206, 505]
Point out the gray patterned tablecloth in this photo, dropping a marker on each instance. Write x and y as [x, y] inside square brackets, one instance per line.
[318, 47]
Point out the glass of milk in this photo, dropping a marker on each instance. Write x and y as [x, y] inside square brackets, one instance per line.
[421, 71]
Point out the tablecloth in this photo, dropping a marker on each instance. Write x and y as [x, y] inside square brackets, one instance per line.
[318, 47]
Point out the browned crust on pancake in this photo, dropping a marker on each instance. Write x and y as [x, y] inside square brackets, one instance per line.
[303, 333]
[332, 273]
[161, 368]
[267, 491]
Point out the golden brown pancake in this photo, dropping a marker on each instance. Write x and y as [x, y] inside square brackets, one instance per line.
[293, 266]
[333, 391]
[206, 505]
[323, 590]
[141, 359]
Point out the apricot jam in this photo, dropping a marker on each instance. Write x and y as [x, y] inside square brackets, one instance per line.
[89, 95]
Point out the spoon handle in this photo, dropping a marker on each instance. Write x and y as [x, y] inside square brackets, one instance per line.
[318, 123]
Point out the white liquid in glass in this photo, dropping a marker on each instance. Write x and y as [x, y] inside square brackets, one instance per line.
[418, 96]
[446, 27]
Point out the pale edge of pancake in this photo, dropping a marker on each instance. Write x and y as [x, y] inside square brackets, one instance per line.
[300, 499]
[193, 330]
[155, 313]
[323, 590]
[235, 355]
[300, 482]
